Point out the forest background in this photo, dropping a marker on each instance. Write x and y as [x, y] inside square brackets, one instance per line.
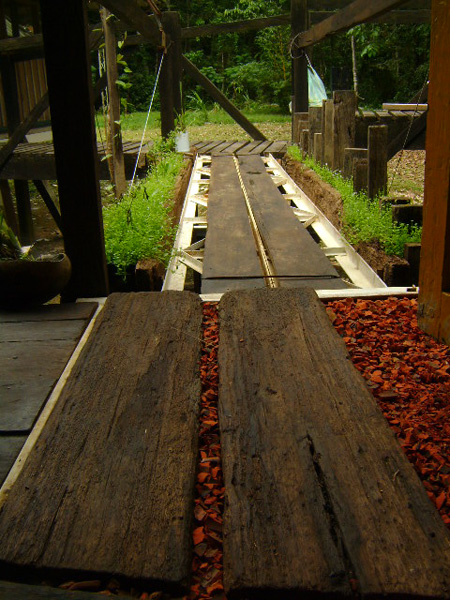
[254, 68]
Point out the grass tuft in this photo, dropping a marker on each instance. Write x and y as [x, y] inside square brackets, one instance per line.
[363, 219]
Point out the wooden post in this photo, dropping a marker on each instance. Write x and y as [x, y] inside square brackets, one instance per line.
[115, 130]
[305, 141]
[377, 155]
[300, 121]
[327, 129]
[360, 168]
[349, 155]
[64, 27]
[434, 279]
[299, 23]
[23, 203]
[315, 125]
[344, 125]
[170, 82]
[318, 148]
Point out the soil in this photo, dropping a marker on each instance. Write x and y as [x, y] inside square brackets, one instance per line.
[392, 269]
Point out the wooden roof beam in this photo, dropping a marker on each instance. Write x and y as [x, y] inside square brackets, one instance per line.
[130, 13]
[355, 13]
[395, 17]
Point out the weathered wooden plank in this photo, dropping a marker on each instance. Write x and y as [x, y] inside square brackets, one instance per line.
[276, 148]
[292, 250]
[314, 125]
[223, 147]
[236, 26]
[108, 487]
[344, 125]
[51, 312]
[319, 495]
[248, 149]
[10, 446]
[230, 251]
[355, 13]
[328, 140]
[132, 15]
[236, 146]
[349, 156]
[377, 160]
[410, 133]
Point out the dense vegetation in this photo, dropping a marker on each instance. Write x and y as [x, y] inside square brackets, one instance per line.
[392, 60]
[139, 226]
[364, 220]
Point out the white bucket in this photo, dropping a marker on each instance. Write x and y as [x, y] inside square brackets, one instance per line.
[182, 142]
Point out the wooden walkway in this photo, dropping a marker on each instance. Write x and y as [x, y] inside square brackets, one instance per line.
[241, 148]
[37, 161]
[320, 498]
[242, 194]
[34, 349]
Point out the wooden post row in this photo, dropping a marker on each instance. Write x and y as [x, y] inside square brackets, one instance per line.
[377, 156]
[344, 125]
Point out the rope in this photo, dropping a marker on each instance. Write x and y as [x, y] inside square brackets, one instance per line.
[413, 116]
[146, 121]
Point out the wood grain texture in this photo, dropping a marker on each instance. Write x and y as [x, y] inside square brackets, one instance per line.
[230, 251]
[434, 279]
[20, 591]
[292, 250]
[344, 125]
[377, 155]
[318, 491]
[108, 487]
[50, 312]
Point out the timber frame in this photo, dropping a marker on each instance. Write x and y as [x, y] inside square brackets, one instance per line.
[311, 22]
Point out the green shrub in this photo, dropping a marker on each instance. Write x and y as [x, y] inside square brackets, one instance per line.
[138, 226]
[363, 219]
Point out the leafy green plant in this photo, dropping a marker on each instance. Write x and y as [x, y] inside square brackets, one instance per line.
[364, 220]
[139, 225]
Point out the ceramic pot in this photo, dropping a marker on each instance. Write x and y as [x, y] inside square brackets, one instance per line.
[25, 283]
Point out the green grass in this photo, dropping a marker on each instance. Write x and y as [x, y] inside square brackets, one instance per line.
[139, 225]
[363, 219]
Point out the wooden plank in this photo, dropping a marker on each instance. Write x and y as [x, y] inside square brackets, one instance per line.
[344, 125]
[230, 251]
[219, 97]
[328, 145]
[314, 125]
[132, 15]
[299, 23]
[408, 135]
[355, 13]
[299, 122]
[129, 411]
[276, 148]
[70, 92]
[377, 160]
[318, 147]
[10, 446]
[434, 306]
[349, 156]
[414, 107]
[248, 149]
[319, 495]
[209, 147]
[51, 312]
[360, 174]
[395, 17]
[291, 249]
[235, 146]
[236, 26]
[33, 355]
[222, 147]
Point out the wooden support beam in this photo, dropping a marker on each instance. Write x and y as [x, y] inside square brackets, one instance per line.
[304, 141]
[129, 12]
[357, 12]
[300, 122]
[70, 92]
[8, 206]
[314, 125]
[20, 132]
[299, 23]
[23, 203]
[434, 280]
[344, 125]
[235, 27]
[171, 72]
[395, 17]
[360, 177]
[114, 126]
[377, 156]
[21, 48]
[327, 130]
[408, 134]
[318, 148]
[49, 198]
[349, 156]
[221, 99]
